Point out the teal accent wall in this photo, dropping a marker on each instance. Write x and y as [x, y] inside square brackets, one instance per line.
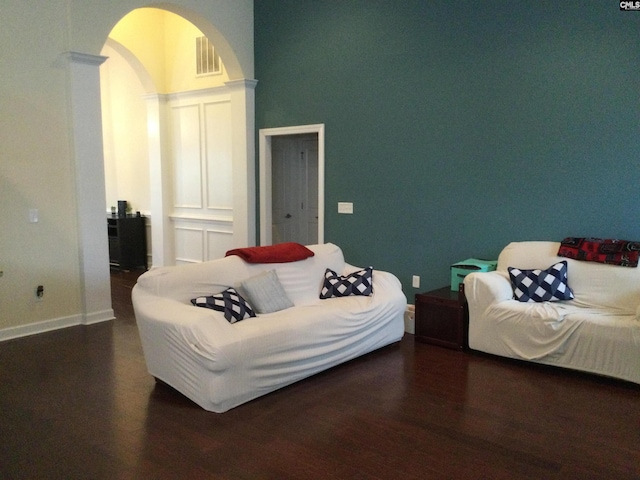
[456, 127]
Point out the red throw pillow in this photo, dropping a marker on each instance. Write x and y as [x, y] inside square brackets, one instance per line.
[610, 251]
[279, 253]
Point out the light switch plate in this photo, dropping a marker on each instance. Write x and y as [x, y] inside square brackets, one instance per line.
[345, 207]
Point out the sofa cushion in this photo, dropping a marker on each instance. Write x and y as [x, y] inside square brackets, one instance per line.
[356, 283]
[265, 292]
[301, 280]
[230, 302]
[594, 285]
[541, 285]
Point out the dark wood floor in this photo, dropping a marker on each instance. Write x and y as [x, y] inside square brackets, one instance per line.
[78, 403]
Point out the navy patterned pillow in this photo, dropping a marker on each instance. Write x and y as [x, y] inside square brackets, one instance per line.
[230, 302]
[356, 283]
[548, 285]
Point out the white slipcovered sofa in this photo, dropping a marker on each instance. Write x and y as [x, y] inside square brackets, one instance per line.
[220, 365]
[597, 331]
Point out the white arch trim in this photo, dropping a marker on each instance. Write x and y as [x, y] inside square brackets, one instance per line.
[231, 62]
[137, 66]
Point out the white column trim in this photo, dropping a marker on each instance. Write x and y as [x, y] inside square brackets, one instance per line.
[160, 180]
[88, 163]
[243, 152]
[85, 58]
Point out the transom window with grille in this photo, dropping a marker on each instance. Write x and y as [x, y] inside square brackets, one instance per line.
[207, 60]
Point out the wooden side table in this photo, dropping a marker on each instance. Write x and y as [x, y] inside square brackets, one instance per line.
[442, 318]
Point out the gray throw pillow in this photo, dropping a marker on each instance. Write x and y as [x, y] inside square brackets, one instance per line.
[265, 293]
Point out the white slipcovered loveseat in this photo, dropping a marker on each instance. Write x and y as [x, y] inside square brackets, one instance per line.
[220, 365]
[597, 331]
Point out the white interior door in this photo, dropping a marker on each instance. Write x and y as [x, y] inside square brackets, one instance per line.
[295, 188]
[283, 177]
[272, 230]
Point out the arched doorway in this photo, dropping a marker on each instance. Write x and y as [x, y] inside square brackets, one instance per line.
[87, 146]
[176, 128]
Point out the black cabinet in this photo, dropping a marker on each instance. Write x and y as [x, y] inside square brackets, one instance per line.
[127, 242]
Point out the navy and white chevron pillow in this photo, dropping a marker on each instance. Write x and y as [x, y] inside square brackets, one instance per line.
[548, 285]
[230, 302]
[356, 283]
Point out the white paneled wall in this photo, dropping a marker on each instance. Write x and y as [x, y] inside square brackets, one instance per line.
[202, 169]
[187, 158]
[218, 155]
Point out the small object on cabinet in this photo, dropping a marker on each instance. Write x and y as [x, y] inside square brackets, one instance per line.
[462, 269]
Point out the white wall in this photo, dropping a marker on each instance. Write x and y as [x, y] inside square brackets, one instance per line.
[124, 126]
[36, 168]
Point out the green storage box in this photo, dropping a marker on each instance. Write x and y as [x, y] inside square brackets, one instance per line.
[462, 269]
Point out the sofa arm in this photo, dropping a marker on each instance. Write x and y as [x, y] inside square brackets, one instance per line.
[483, 289]
[192, 330]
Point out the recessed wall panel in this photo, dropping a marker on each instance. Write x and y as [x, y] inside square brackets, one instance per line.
[218, 243]
[189, 245]
[218, 154]
[187, 162]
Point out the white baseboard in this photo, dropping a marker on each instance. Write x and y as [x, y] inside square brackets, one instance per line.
[410, 319]
[54, 324]
[97, 317]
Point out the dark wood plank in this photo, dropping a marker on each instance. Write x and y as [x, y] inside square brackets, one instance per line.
[79, 403]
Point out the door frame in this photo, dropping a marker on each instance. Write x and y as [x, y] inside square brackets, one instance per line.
[266, 195]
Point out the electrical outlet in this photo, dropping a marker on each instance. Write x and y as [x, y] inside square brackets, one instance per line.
[39, 292]
[416, 281]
